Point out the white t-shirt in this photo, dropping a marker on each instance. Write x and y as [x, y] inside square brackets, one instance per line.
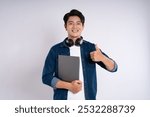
[75, 51]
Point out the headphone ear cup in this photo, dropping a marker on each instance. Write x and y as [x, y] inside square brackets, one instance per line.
[69, 42]
[78, 42]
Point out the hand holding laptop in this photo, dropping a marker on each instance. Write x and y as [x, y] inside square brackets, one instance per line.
[76, 86]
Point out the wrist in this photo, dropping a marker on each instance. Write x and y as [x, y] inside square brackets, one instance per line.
[68, 86]
[63, 85]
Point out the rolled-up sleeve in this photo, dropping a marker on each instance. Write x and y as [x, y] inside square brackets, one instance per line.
[54, 82]
[115, 67]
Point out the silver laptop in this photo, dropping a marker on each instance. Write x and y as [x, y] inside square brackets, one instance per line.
[68, 68]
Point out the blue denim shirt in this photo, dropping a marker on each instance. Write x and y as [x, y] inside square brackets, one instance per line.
[50, 70]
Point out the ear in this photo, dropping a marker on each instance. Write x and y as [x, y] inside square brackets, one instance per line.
[65, 26]
[82, 27]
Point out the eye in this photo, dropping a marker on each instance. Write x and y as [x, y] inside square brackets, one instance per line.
[70, 23]
[79, 23]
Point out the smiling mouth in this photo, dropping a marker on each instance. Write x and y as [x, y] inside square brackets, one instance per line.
[75, 31]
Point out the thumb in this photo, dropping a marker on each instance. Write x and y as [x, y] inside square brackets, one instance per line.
[96, 47]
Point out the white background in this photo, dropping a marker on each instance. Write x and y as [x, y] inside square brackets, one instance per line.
[29, 28]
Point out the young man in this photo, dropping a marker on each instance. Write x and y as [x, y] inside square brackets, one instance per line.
[89, 54]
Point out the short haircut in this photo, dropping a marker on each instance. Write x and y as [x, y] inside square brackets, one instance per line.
[74, 12]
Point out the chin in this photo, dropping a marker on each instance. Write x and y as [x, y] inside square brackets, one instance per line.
[75, 36]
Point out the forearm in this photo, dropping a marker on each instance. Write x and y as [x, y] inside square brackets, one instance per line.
[63, 85]
[109, 63]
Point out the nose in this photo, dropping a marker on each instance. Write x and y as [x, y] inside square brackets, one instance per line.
[74, 25]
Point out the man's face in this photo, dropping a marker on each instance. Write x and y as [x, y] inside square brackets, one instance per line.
[74, 27]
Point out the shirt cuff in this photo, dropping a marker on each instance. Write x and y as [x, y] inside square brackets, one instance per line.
[54, 82]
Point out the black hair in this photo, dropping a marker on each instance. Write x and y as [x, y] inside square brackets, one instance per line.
[74, 12]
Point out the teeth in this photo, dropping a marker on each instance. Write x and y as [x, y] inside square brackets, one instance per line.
[74, 31]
